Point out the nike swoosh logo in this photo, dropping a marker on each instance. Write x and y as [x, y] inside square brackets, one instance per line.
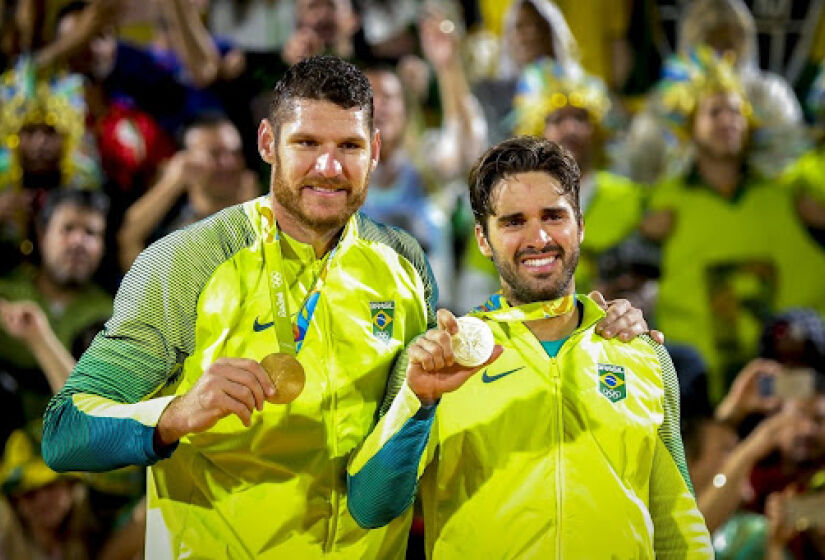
[258, 327]
[490, 378]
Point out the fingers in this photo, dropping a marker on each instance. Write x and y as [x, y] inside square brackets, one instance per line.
[623, 321]
[433, 351]
[447, 321]
[233, 386]
[658, 336]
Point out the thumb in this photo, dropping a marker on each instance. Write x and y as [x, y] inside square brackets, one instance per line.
[599, 299]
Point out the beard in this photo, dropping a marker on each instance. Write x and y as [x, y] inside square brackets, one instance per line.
[519, 290]
[289, 197]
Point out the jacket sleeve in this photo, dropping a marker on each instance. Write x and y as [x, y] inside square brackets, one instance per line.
[105, 415]
[382, 475]
[678, 527]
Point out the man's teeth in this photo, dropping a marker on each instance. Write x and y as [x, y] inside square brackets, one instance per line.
[539, 262]
[324, 189]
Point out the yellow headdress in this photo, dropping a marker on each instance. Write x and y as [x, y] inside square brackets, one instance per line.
[545, 87]
[57, 102]
[685, 80]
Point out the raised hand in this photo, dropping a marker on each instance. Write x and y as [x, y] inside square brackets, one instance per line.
[432, 370]
[23, 320]
[744, 397]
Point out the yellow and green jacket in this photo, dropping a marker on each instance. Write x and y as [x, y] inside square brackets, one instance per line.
[728, 265]
[276, 489]
[572, 456]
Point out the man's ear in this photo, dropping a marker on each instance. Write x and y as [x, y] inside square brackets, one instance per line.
[481, 239]
[581, 230]
[266, 141]
[376, 149]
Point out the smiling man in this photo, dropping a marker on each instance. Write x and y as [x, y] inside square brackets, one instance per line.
[567, 445]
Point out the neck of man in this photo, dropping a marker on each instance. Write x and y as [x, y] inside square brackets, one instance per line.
[42, 180]
[722, 173]
[51, 290]
[322, 239]
[553, 328]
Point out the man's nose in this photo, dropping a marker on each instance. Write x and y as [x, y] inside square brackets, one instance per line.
[327, 165]
[537, 236]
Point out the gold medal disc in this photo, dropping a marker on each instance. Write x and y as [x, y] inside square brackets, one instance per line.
[287, 374]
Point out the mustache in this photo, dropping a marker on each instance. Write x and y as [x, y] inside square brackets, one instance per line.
[327, 183]
[550, 247]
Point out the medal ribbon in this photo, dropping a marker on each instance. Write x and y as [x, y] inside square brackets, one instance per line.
[497, 309]
[290, 337]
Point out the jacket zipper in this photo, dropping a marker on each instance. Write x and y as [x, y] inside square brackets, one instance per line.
[560, 435]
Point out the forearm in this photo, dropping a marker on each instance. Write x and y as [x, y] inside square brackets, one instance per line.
[383, 475]
[192, 41]
[463, 121]
[91, 21]
[53, 358]
[718, 501]
[85, 432]
[143, 217]
[105, 415]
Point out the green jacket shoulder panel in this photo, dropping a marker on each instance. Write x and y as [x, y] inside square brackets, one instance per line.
[404, 244]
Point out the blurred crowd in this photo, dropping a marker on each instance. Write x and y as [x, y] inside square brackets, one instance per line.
[698, 127]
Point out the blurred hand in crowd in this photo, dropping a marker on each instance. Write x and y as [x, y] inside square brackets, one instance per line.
[780, 531]
[24, 320]
[302, 44]
[439, 40]
[744, 397]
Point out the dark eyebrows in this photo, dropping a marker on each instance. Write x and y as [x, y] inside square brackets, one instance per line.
[508, 217]
[298, 136]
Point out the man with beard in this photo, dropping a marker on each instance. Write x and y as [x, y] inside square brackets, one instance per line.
[564, 435]
[733, 240]
[70, 229]
[241, 464]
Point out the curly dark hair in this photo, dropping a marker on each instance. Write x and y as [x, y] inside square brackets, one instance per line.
[322, 78]
[522, 154]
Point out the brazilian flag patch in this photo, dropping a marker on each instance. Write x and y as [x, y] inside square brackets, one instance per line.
[382, 317]
[612, 382]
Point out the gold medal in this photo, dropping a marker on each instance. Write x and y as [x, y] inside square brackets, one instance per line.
[287, 374]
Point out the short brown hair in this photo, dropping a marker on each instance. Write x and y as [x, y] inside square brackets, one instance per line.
[321, 78]
[522, 154]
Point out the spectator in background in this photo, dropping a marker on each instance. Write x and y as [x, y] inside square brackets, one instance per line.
[206, 176]
[797, 468]
[397, 194]
[322, 27]
[44, 514]
[47, 514]
[410, 186]
[725, 267]
[726, 27]
[43, 146]
[71, 227]
[719, 465]
[533, 29]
